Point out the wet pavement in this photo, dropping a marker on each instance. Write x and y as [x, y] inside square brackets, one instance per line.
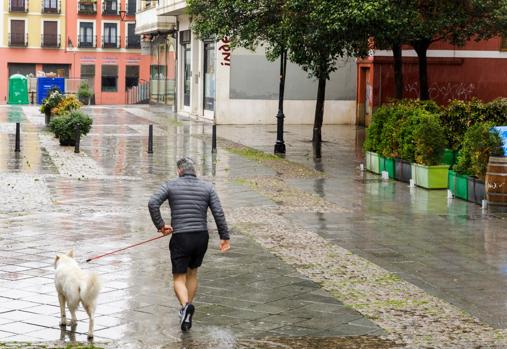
[95, 201]
[450, 248]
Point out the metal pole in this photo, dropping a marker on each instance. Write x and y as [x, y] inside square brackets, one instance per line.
[214, 138]
[280, 144]
[150, 140]
[18, 135]
[78, 138]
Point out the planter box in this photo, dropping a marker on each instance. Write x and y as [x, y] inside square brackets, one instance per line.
[431, 177]
[372, 162]
[476, 190]
[387, 164]
[402, 170]
[458, 185]
[449, 157]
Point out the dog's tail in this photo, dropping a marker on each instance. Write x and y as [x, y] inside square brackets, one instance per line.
[91, 289]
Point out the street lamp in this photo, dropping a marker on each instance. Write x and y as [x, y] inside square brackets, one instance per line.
[123, 14]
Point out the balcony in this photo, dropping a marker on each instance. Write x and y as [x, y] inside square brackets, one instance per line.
[18, 39]
[51, 7]
[111, 42]
[50, 40]
[147, 21]
[87, 7]
[171, 7]
[110, 8]
[87, 41]
[133, 42]
[18, 6]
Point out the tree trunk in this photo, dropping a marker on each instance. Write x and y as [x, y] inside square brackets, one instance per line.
[398, 70]
[421, 47]
[319, 112]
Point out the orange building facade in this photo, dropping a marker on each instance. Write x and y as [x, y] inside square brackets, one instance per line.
[91, 40]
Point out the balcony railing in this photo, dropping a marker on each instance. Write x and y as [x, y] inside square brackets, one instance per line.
[133, 41]
[87, 7]
[110, 8]
[49, 7]
[87, 41]
[18, 39]
[111, 42]
[50, 40]
[18, 6]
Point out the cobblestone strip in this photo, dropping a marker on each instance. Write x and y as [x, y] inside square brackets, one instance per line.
[68, 163]
[411, 316]
[23, 192]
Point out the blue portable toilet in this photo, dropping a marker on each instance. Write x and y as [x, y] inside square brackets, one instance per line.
[44, 85]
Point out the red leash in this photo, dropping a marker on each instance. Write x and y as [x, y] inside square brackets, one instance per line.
[125, 248]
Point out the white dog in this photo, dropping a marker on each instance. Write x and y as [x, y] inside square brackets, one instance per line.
[73, 286]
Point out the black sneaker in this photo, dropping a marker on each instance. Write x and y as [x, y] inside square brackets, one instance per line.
[186, 318]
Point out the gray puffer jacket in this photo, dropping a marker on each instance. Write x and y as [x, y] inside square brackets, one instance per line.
[189, 199]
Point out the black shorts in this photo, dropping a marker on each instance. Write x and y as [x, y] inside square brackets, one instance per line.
[188, 250]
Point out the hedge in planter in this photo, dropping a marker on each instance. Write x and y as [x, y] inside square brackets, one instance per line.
[66, 105]
[479, 143]
[64, 127]
[428, 146]
[52, 100]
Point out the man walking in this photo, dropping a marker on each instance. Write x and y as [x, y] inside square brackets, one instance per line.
[189, 199]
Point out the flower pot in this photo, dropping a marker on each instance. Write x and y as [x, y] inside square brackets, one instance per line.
[431, 177]
[402, 170]
[372, 162]
[67, 142]
[386, 164]
[476, 190]
[458, 185]
[449, 157]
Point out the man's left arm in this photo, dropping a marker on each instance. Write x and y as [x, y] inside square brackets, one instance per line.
[218, 214]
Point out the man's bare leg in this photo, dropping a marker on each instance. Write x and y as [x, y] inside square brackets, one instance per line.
[191, 284]
[180, 288]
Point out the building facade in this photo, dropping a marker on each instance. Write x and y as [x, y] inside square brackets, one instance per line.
[475, 70]
[241, 87]
[77, 39]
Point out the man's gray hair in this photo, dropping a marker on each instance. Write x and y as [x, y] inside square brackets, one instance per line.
[186, 166]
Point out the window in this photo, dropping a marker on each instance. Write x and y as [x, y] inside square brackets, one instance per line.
[50, 37]
[187, 74]
[17, 5]
[86, 37]
[133, 40]
[17, 34]
[110, 38]
[209, 75]
[109, 78]
[132, 76]
[88, 73]
[131, 8]
[50, 6]
[110, 7]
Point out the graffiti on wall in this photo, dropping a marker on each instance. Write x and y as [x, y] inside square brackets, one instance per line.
[444, 91]
[225, 49]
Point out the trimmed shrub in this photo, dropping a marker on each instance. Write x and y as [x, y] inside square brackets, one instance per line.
[64, 127]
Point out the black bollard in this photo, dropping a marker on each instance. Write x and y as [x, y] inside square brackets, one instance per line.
[78, 138]
[214, 138]
[18, 136]
[150, 140]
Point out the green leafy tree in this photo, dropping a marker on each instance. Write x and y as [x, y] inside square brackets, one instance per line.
[452, 21]
[318, 35]
[248, 24]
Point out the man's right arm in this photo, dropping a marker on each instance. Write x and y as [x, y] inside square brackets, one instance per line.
[154, 204]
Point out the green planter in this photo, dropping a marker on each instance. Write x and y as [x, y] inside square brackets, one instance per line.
[458, 185]
[476, 190]
[449, 157]
[373, 162]
[431, 177]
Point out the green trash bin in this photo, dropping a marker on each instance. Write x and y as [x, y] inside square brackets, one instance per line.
[18, 89]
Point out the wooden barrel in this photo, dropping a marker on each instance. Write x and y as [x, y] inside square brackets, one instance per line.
[496, 181]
